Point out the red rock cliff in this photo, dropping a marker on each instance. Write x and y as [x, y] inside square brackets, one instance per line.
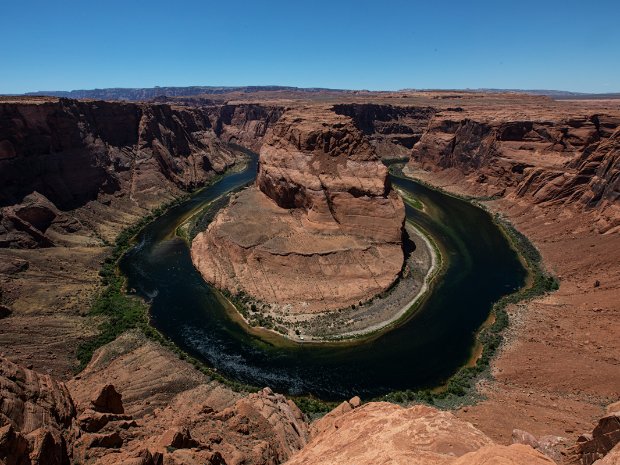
[322, 230]
[556, 158]
[86, 155]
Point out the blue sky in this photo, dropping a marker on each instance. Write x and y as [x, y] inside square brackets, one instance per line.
[68, 44]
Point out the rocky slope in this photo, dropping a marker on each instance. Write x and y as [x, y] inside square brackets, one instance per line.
[73, 175]
[187, 419]
[321, 229]
[159, 410]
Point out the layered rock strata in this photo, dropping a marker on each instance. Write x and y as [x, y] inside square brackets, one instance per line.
[392, 130]
[552, 159]
[73, 174]
[162, 411]
[80, 157]
[321, 229]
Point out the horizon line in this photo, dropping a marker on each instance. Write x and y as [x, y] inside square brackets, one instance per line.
[319, 88]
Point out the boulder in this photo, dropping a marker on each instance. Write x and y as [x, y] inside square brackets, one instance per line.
[47, 447]
[14, 447]
[177, 438]
[13, 266]
[107, 400]
[613, 408]
[5, 311]
[379, 432]
[92, 421]
[604, 437]
[106, 441]
[551, 446]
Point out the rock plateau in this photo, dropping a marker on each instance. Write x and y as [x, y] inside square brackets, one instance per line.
[321, 230]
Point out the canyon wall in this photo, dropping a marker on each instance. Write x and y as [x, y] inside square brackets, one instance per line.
[73, 174]
[555, 159]
[62, 162]
[392, 130]
[322, 229]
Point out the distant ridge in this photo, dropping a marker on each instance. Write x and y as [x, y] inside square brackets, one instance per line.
[150, 93]
[555, 94]
[120, 93]
[559, 94]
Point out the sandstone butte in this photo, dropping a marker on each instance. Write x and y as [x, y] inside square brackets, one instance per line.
[74, 173]
[321, 230]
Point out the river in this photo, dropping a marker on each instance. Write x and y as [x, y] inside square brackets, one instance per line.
[481, 267]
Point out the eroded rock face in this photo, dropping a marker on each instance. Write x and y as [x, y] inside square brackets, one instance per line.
[548, 158]
[604, 437]
[392, 130]
[30, 400]
[321, 230]
[35, 411]
[175, 414]
[377, 431]
[244, 124]
[64, 162]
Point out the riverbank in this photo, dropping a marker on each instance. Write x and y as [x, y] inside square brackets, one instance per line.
[115, 309]
[461, 388]
[190, 317]
[557, 364]
[357, 324]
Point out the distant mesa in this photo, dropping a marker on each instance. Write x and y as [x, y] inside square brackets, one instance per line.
[149, 93]
[157, 92]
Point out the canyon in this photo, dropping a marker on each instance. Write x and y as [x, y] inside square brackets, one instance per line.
[74, 173]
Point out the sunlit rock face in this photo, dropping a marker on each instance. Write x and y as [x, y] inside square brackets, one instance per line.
[320, 230]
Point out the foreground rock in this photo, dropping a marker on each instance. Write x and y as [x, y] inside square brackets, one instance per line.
[321, 230]
[597, 445]
[386, 433]
[35, 412]
[174, 412]
[160, 410]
